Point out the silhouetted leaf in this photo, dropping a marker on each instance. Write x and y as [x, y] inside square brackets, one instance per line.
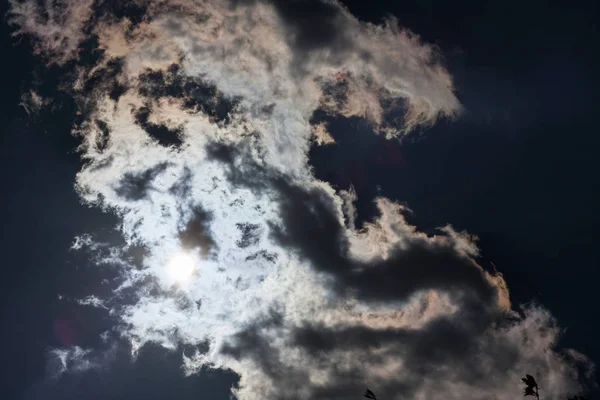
[531, 388]
[529, 391]
[531, 380]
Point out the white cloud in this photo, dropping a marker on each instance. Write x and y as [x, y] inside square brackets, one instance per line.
[76, 360]
[57, 26]
[253, 293]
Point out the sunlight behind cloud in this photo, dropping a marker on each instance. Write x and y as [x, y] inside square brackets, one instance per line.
[181, 267]
[197, 123]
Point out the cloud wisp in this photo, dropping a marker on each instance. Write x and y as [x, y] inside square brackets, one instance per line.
[195, 128]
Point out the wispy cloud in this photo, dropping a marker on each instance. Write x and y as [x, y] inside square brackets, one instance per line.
[56, 26]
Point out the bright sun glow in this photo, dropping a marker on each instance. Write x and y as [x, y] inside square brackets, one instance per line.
[181, 267]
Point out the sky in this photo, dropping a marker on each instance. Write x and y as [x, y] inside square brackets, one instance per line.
[298, 199]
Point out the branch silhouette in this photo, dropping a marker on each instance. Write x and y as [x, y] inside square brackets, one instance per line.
[531, 387]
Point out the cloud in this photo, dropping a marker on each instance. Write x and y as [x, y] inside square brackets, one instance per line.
[57, 26]
[321, 135]
[134, 186]
[195, 128]
[76, 360]
[33, 102]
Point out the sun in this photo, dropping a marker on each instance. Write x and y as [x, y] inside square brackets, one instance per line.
[181, 267]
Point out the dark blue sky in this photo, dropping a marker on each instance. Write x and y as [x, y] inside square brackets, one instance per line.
[519, 169]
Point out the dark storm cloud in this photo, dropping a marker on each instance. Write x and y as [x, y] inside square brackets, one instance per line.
[253, 342]
[443, 341]
[252, 337]
[103, 78]
[249, 234]
[264, 255]
[197, 94]
[312, 228]
[196, 234]
[136, 186]
[310, 24]
[313, 24]
[429, 352]
[182, 187]
[165, 136]
[242, 170]
[424, 350]
[104, 135]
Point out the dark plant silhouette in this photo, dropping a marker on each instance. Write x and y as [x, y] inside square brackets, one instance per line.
[531, 389]
[531, 386]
